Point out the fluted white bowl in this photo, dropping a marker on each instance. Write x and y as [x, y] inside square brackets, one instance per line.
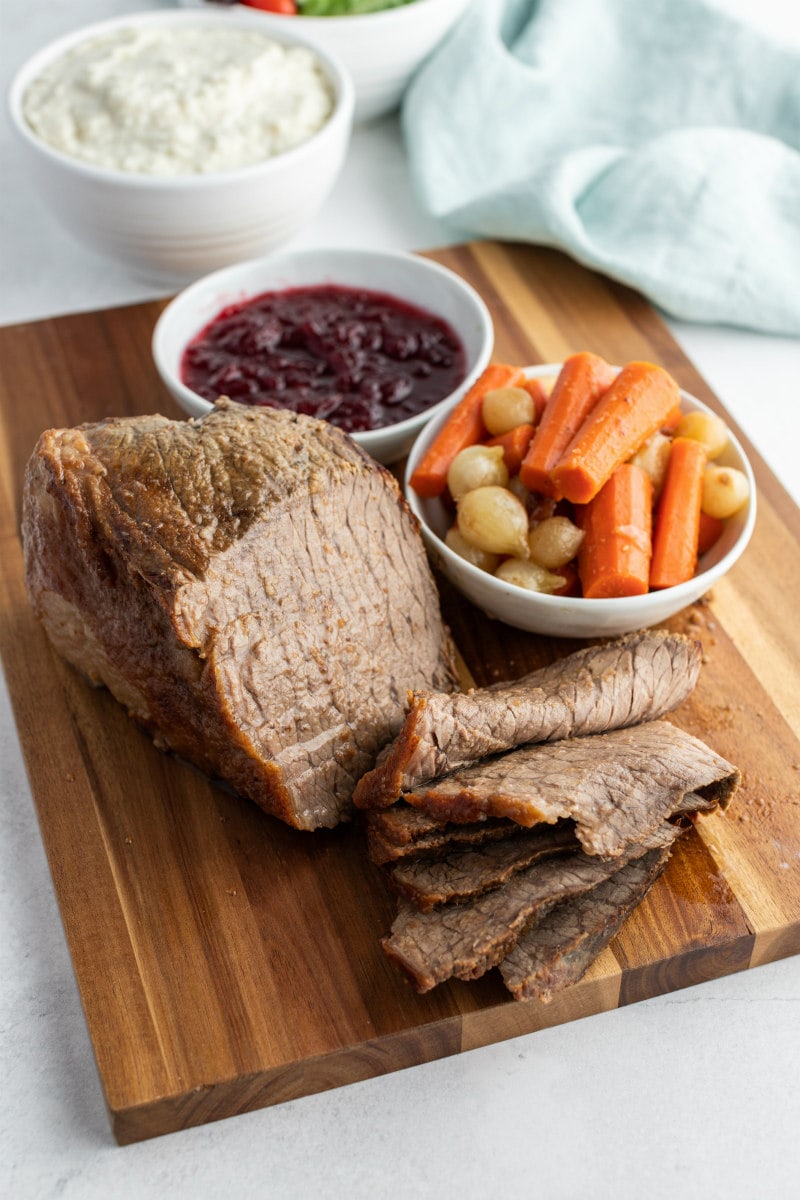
[569, 616]
[381, 50]
[173, 229]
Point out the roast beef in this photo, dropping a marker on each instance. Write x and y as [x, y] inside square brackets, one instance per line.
[402, 832]
[617, 787]
[252, 587]
[397, 832]
[456, 870]
[465, 940]
[637, 678]
[427, 882]
[558, 950]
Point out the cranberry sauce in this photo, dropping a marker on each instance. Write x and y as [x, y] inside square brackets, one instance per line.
[356, 358]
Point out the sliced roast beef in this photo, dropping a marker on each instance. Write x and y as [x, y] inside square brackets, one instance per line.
[455, 871]
[427, 882]
[465, 940]
[402, 832]
[638, 678]
[559, 949]
[397, 832]
[252, 587]
[617, 787]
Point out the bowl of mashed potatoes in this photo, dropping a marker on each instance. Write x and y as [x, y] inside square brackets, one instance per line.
[180, 142]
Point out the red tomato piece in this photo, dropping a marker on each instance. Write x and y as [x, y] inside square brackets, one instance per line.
[288, 7]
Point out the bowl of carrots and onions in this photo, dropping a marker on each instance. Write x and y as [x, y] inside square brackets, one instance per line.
[581, 499]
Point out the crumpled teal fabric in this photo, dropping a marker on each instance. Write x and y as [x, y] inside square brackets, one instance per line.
[654, 140]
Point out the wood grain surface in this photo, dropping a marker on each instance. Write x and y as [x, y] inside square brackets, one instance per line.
[226, 962]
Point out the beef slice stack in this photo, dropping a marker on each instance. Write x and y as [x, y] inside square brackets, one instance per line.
[251, 586]
[519, 825]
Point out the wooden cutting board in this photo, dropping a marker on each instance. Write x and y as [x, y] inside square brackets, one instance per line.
[226, 962]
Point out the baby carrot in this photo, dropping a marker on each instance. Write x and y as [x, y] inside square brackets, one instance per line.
[572, 584]
[581, 382]
[614, 558]
[636, 404]
[538, 393]
[514, 444]
[672, 420]
[710, 530]
[464, 427]
[677, 524]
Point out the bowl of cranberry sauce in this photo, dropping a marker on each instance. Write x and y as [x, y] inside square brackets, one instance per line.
[371, 341]
[357, 358]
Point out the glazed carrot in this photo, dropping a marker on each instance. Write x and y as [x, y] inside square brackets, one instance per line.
[464, 427]
[539, 394]
[514, 443]
[677, 524]
[637, 403]
[710, 530]
[572, 585]
[673, 420]
[581, 382]
[614, 558]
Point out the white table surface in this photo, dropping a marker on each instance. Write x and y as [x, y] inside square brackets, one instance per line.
[694, 1094]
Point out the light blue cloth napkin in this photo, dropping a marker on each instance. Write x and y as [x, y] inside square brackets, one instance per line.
[654, 140]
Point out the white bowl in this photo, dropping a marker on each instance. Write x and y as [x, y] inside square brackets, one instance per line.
[567, 616]
[381, 50]
[407, 277]
[176, 228]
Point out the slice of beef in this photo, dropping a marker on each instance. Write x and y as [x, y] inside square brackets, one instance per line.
[456, 871]
[397, 832]
[465, 940]
[400, 832]
[637, 678]
[426, 882]
[252, 587]
[616, 786]
[559, 949]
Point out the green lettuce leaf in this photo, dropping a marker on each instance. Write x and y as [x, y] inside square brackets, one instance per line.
[339, 8]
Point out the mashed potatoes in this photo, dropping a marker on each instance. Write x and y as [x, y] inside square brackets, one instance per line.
[179, 101]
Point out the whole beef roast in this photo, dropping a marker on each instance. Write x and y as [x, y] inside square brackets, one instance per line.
[636, 678]
[252, 587]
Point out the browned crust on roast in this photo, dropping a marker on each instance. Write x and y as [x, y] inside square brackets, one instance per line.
[382, 786]
[634, 679]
